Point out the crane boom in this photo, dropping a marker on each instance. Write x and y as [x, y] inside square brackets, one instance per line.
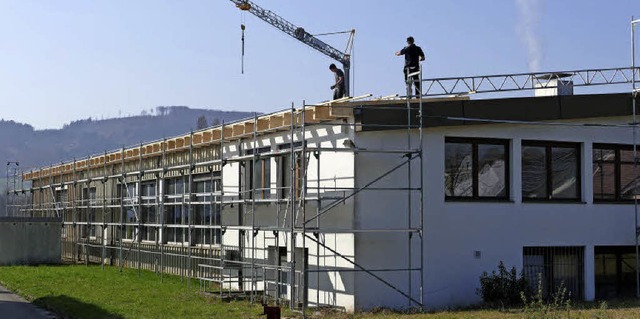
[299, 34]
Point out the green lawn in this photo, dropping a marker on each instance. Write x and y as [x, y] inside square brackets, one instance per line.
[79, 291]
[88, 292]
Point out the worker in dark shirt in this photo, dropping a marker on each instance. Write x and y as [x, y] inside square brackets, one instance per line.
[338, 87]
[413, 54]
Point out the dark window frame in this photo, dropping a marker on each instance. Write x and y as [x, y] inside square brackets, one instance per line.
[283, 164]
[549, 145]
[617, 163]
[474, 168]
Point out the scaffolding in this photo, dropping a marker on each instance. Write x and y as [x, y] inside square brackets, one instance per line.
[168, 206]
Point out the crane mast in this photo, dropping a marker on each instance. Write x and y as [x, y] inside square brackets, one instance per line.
[301, 35]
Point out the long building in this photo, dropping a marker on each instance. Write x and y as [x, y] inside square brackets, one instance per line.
[369, 203]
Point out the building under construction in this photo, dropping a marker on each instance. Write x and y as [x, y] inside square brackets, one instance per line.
[362, 203]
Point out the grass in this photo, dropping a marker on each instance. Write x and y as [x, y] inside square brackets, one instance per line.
[78, 291]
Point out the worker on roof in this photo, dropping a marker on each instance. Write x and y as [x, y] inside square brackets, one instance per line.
[413, 54]
[338, 87]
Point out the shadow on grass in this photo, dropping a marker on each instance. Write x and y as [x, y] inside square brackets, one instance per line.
[68, 307]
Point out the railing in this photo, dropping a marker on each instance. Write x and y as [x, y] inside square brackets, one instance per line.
[526, 81]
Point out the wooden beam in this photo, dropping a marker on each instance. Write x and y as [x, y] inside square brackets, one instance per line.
[340, 111]
[228, 132]
[206, 137]
[248, 127]
[216, 134]
[322, 113]
[276, 121]
[263, 124]
[310, 116]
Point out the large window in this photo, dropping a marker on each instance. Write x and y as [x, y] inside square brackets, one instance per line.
[615, 271]
[257, 178]
[149, 210]
[284, 171]
[476, 168]
[550, 171]
[175, 210]
[614, 177]
[129, 195]
[89, 198]
[555, 268]
[206, 209]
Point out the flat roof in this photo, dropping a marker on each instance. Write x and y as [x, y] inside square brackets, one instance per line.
[369, 115]
[530, 109]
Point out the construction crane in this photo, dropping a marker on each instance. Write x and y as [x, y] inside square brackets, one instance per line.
[303, 36]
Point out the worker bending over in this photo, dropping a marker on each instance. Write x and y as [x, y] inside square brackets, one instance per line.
[413, 54]
[338, 87]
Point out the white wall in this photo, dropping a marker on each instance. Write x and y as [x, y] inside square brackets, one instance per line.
[455, 230]
[334, 178]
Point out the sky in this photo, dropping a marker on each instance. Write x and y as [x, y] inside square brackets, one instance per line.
[64, 60]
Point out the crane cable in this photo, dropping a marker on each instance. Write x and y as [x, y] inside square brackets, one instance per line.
[242, 59]
[242, 27]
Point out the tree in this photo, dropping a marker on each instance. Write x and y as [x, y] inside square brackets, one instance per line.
[202, 122]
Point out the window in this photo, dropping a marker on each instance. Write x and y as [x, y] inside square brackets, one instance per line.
[615, 271]
[258, 179]
[149, 211]
[476, 168]
[550, 171]
[90, 198]
[614, 177]
[284, 171]
[206, 209]
[556, 267]
[175, 210]
[61, 198]
[129, 201]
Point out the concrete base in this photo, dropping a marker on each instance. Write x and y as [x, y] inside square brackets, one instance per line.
[28, 241]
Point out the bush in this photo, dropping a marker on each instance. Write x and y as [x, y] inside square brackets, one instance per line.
[537, 307]
[503, 288]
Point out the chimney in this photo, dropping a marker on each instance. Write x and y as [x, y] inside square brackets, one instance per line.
[552, 84]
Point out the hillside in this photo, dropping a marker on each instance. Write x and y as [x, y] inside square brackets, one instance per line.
[34, 148]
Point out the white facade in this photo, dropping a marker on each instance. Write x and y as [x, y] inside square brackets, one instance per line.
[462, 239]
[456, 231]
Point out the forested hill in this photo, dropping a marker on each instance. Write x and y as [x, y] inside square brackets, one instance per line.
[35, 148]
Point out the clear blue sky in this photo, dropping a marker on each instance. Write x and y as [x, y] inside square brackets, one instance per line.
[64, 60]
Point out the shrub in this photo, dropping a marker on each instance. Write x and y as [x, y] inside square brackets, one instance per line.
[537, 307]
[502, 288]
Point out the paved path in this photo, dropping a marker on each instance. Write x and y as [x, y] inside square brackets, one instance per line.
[13, 306]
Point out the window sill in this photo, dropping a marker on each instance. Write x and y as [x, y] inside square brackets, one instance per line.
[206, 246]
[614, 202]
[477, 200]
[177, 243]
[553, 201]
